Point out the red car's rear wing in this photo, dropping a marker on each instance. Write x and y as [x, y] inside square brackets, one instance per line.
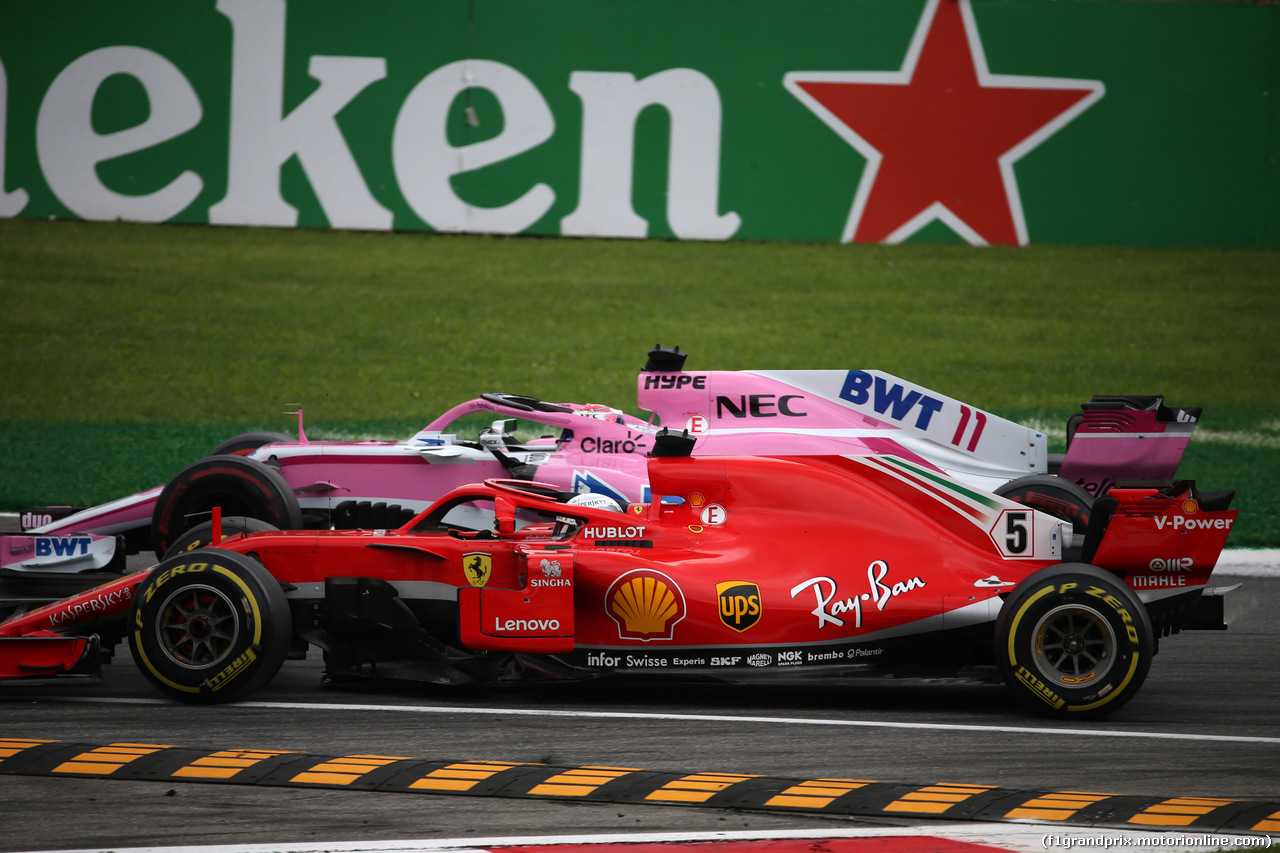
[1165, 542]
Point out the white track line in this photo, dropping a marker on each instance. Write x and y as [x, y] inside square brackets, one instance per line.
[1250, 562]
[703, 718]
[1012, 837]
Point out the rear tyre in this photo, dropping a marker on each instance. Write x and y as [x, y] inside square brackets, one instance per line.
[241, 486]
[201, 536]
[249, 442]
[209, 626]
[1051, 494]
[1073, 641]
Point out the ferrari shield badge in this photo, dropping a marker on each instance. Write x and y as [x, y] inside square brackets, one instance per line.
[476, 566]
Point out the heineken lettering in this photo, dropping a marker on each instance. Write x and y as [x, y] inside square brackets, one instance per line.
[971, 120]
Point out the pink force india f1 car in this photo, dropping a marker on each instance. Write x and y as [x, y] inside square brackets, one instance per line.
[291, 484]
[788, 569]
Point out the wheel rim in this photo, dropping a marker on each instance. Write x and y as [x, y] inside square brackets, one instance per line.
[1074, 645]
[198, 626]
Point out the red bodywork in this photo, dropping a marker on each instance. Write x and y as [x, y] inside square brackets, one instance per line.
[740, 568]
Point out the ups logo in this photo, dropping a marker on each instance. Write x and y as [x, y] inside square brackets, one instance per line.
[739, 604]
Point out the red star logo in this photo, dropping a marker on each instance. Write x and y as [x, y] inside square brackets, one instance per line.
[941, 135]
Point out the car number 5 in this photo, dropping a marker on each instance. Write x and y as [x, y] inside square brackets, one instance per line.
[1017, 537]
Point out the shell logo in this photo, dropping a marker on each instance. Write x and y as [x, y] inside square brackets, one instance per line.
[1190, 507]
[646, 605]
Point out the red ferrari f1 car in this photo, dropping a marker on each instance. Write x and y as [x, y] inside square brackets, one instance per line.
[785, 568]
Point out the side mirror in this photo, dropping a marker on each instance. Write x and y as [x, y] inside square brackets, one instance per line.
[505, 427]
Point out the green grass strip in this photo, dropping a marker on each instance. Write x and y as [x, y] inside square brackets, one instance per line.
[131, 349]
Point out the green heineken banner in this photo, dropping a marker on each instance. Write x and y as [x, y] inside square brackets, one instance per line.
[995, 122]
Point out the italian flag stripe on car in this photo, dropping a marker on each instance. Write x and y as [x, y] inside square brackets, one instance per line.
[975, 505]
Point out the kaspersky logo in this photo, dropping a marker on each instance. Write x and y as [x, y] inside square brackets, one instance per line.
[942, 134]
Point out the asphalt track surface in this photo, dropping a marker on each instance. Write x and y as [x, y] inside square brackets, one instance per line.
[1203, 731]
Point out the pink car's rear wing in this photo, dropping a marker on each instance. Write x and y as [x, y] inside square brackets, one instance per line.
[864, 412]
[1126, 438]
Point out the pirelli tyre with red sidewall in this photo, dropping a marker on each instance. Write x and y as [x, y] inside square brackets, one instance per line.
[248, 442]
[1074, 641]
[1055, 495]
[238, 485]
[209, 626]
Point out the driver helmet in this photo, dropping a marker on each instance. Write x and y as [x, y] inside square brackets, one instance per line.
[566, 526]
[601, 413]
[595, 501]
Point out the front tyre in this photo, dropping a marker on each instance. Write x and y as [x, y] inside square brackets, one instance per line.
[1073, 641]
[209, 626]
[246, 443]
[201, 536]
[239, 485]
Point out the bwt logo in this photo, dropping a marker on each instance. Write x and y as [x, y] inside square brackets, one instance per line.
[62, 546]
[861, 388]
